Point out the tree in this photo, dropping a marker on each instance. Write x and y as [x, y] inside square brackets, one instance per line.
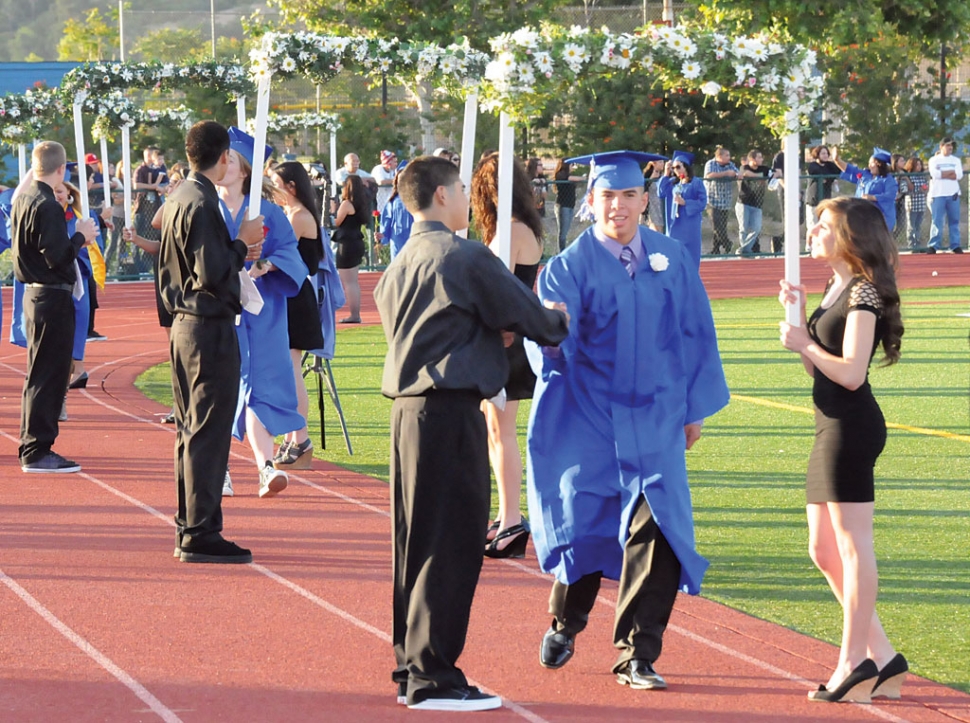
[172, 45]
[433, 21]
[94, 38]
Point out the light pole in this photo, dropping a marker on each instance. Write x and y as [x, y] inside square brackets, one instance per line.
[212, 25]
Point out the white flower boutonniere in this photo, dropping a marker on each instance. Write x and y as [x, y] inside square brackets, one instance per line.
[658, 262]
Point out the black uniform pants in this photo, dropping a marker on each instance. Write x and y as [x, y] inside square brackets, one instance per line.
[49, 328]
[645, 598]
[205, 386]
[439, 506]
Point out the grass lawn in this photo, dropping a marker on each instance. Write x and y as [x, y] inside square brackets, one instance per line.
[747, 474]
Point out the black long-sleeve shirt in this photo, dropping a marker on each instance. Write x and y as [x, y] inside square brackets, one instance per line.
[198, 261]
[443, 302]
[43, 253]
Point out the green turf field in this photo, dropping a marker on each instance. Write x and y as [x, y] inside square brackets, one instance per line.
[747, 474]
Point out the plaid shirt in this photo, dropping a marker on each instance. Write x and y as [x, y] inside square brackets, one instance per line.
[720, 191]
[917, 185]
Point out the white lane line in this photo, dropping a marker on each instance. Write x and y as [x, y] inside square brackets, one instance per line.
[143, 694]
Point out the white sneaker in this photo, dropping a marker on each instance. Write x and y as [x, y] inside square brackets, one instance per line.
[227, 485]
[271, 481]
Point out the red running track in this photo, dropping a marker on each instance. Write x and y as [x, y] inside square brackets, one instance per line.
[99, 623]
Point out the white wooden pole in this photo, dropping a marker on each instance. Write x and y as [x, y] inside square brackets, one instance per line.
[506, 150]
[82, 171]
[333, 167]
[241, 112]
[22, 159]
[793, 239]
[126, 164]
[259, 145]
[468, 145]
[105, 176]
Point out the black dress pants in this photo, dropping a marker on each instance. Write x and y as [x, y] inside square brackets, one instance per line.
[205, 386]
[645, 597]
[49, 328]
[439, 506]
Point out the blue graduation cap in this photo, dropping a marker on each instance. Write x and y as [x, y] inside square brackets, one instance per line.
[881, 154]
[244, 144]
[616, 170]
[69, 170]
[684, 157]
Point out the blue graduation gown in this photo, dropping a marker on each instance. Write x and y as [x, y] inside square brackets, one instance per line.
[82, 306]
[330, 297]
[608, 415]
[4, 232]
[686, 227]
[266, 382]
[884, 188]
[396, 222]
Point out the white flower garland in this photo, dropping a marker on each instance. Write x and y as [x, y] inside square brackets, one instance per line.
[279, 123]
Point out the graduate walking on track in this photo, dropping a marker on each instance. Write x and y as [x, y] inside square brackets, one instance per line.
[616, 406]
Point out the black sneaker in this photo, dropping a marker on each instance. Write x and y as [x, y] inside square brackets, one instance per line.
[931, 249]
[52, 462]
[402, 693]
[95, 336]
[466, 698]
[957, 250]
[216, 550]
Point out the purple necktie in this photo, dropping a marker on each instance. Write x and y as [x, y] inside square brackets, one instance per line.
[628, 260]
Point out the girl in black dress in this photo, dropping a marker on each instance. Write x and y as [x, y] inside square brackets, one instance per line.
[508, 535]
[349, 219]
[303, 317]
[859, 312]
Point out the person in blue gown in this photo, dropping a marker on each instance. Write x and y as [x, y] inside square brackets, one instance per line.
[616, 407]
[874, 183]
[267, 404]
[685, 199]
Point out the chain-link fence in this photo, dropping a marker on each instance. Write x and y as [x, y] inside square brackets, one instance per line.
[724, 229]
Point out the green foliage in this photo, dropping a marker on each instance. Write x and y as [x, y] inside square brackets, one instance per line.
[367, 130]
[620, 112]
[94, 38]
[437, 21]
[172, 45]
[886, 100]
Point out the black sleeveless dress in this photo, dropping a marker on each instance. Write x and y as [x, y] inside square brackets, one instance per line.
[302, 315]
[349, 239]
[521, 382]
[850, 430]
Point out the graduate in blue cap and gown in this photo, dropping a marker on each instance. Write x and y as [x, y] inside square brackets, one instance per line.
[616, 407]
[267, 403]
[685, 199]
[6, 198]
[875, 183]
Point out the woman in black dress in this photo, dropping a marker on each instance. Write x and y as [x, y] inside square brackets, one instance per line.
[302, 315]
[508, 535]
[349, 219]
[859, 312]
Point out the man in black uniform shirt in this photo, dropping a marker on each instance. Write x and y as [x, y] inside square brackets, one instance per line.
[43, 260]
[199, 266]
[444, 302]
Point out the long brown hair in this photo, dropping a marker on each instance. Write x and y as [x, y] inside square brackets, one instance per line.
[485, 199]
[864, 242]
[353, 191]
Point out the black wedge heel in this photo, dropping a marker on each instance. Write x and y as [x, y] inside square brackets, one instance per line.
[856, 688]
[516, 548]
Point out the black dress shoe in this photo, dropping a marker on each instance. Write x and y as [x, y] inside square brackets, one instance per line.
[216, 550]
[556, 649]
[640, 675]
[79, 382]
